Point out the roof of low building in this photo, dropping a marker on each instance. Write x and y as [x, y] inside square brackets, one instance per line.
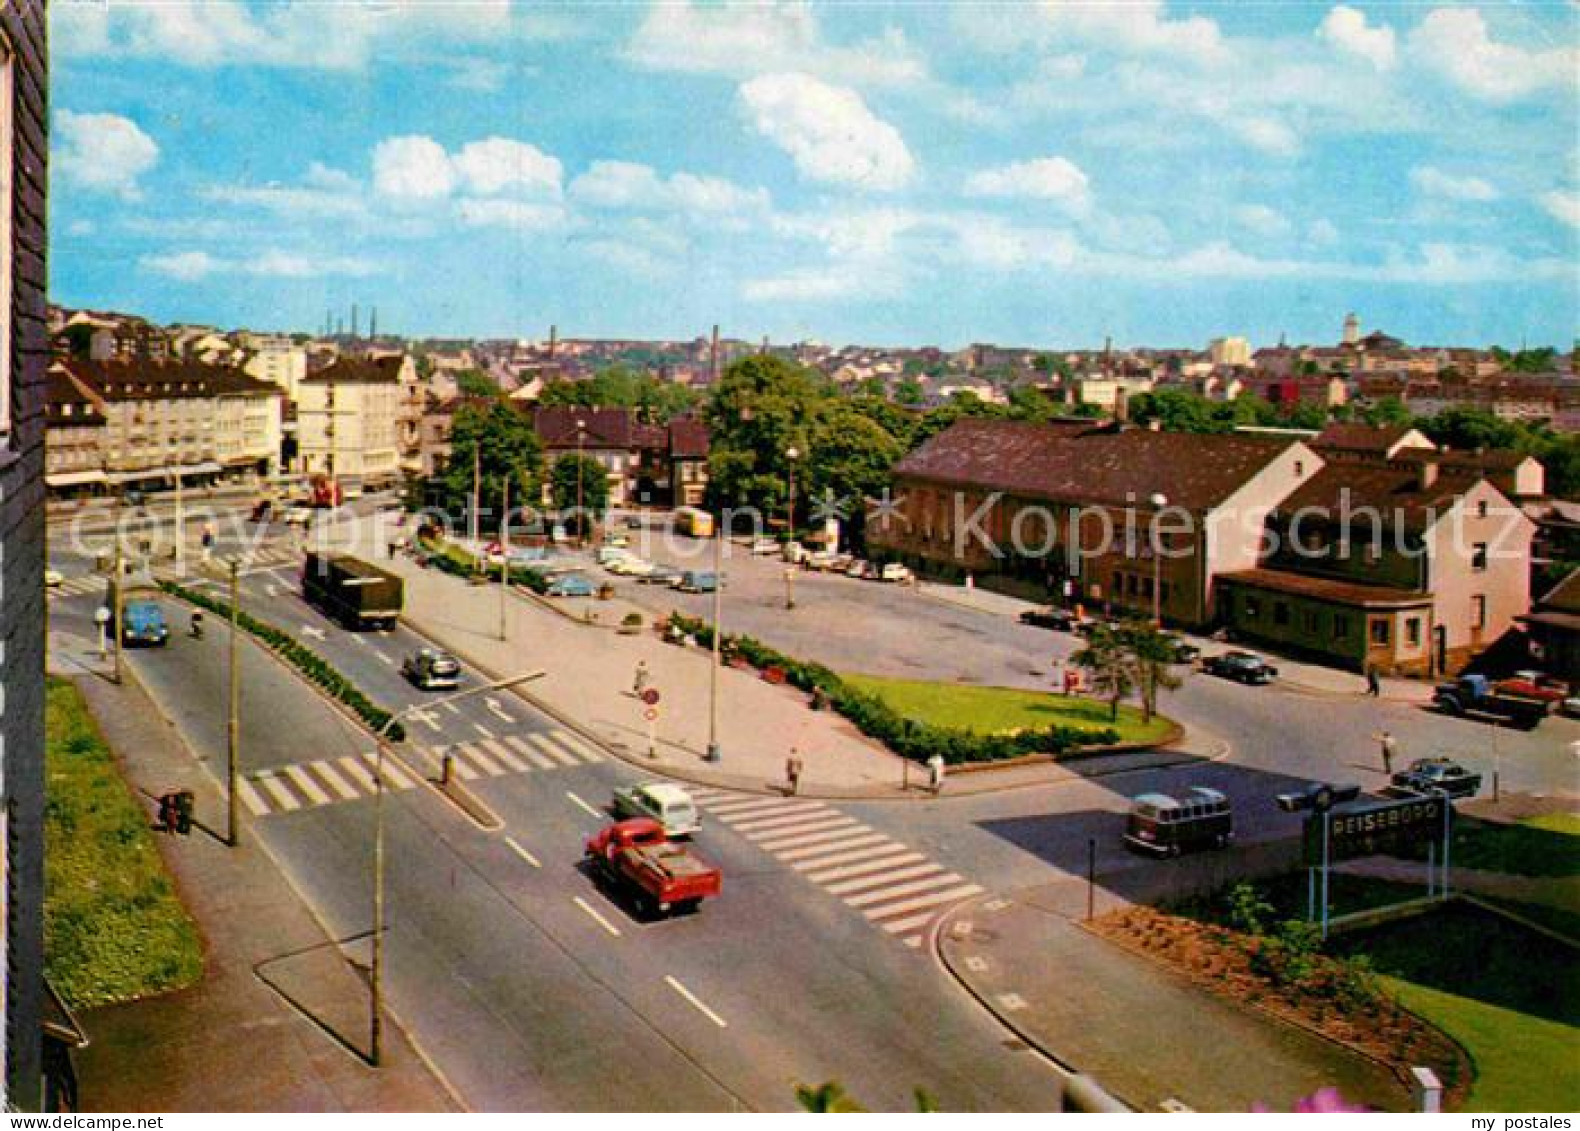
[144, 379]
[1400, 496]
[688, 438]
[557, 427]
[1083, 462]
[1348, 436]
[347, 370]
[1326, 588]
[1563, 597]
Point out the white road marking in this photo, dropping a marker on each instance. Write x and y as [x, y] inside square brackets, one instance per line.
[831, 828]
[425, 717]
[921, 901]
[389, 663]
[597, 918]
[249, 796]
[735, 810]
[848, 857]
[596, 813]
[284, 798]
[494, 705]
[315, 633]
[581, 746]
[497, 751]
[308, 785]
[519, 745]
[891, 893]
[357, 770]
[869, 863]
[522, 852]
[846, 887]
[327, 771]
[674, 984]
[482, 730]
[818, 850]
[398, 778]
[546, 744]
[815, 812]
[490, 767]
[452, 708]
[913, 923]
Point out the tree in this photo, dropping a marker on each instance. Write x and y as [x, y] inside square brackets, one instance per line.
[909, 391]
[1151, 653]
[760, 409]
[1177, 410]
[850, 459]
[826, 1099]
[507, 448]
[476, 383]
[579, 479]
[1027, 402]
[1387, 412]
[654, 400]
[1106, 659]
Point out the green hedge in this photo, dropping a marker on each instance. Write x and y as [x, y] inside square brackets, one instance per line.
[299, 656]
[456, 561]
[876, 719]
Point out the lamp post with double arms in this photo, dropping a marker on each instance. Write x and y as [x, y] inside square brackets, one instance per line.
[581, 438]
[791, 455]
[1159, 500]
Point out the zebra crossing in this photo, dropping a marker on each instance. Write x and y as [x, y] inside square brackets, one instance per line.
[330, 781]
[889, 884]
[78, 586]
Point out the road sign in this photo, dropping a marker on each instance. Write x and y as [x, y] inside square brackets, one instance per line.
[650, 696]
[1373, 827]
[650, 714]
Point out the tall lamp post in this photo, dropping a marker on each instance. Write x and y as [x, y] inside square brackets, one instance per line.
[713, 754]
[381, 742]
[1159, 500]
[581, 438]
[791, 455]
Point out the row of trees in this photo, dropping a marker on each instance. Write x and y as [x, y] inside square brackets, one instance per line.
[1134, 657]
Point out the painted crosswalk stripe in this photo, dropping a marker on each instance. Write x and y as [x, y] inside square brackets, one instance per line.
[882, 879]
[474, 754]
[933, 900]
[830, 828]
[892, 858]
[909, 924]
[833, 846]
[358, 772]
[327, 772]
[307, 784]
[467, 771]
[543, 743]
[496, 750]
[284, 799]
[896, 890]
[811, 813]
[256, 805]
[588, 752]
[519, 745]
[397, 777]
[737, 810]
[562, 748]
[842, 857]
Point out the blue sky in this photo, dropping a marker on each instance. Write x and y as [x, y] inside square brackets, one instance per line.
[1038, 173]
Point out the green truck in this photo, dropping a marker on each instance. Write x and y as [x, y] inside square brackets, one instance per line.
[349, 590]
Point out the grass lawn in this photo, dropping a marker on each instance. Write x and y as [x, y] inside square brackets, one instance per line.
[1537, 846]
[1003, 710]
[113, 927]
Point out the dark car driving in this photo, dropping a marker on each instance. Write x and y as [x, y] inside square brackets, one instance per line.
[431, 669]
[1048, 618]
[1246, 667]
[1433, 775]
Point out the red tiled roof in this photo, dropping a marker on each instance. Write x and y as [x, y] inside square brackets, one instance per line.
[1563, 597]
[1393, 493]
[1350, 437]
[688, 438]
[143, 379]
[1069, 464]
[359, 371]
[1324, 588]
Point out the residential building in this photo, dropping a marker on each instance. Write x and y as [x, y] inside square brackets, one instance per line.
[277, 359]
[24, 81]
[688, 461]
[1554, 627]
[76, 427]
[1366, 443]
[1229, 352]
[348, 420]
[646, 464]
[1067, 508]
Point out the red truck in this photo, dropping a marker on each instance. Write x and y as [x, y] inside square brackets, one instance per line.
[662, 874]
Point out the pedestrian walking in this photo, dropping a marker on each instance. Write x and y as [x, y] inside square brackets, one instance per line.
[793, 767]
[1373, 681]
[640, 681]
[1388, 747]
[935, 767]
[207, 542]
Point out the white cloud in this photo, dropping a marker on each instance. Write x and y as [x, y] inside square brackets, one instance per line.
[1139, 26]
[502, 213]
[635, 187]
[412, 168]
[1268, 134]
[1456, 43]
[1262, 220]
[742, 39]
[1434, 182]
[805, 284]
[828, 131]
[1563, 205]
[102, 152]
[322, 192]
[187, 266]
[1346, 28]
[1044, 178]
[1322, 233]
[497, 164]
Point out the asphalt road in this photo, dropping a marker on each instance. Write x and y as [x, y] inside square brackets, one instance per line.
[529, 986]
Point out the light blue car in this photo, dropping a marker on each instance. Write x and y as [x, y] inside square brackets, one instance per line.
[571, 585]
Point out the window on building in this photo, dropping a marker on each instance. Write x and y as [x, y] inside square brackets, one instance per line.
[1478, 611]
[1379, 631]
[1252, 608]
[1281, 613]
[1310, 620]
[1412, 632]
[1341, 627]
[1481, 509]
[1478, 557]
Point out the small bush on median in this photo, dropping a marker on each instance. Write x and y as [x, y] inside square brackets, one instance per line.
[876, 719]
[300, 657]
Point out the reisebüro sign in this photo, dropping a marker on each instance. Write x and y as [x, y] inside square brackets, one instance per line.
[1375, 827]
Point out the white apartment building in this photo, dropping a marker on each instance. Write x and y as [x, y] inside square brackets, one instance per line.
[349, 417]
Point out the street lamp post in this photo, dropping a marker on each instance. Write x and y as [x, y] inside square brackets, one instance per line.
[381, 743]
[233, 726]
[1159, 501]
[713, 754]
[791, 455]
[581, 437]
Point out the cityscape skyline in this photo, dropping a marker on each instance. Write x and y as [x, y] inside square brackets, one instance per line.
[1158, 174]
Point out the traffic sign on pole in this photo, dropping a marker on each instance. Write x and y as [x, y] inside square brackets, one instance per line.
[650, 696]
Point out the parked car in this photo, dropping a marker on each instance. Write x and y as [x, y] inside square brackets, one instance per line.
[1184, 652]
[607, 554]
[1571, 707]
[1056, 619]
[431, 669]
[298, 516]
[820, 559]
[697, 581]
[897, 572]
[669, 805]
[616, 540]
[631, 567]
[662, 575]
[765, 546]
[795, 553]
[861, 568]
[1246, 667]
[571, 585]
[1474, 696]
[523, 556]
[1430, 775]
[1168, 826]
[53, 577]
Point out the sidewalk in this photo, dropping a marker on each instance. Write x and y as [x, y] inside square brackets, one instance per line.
[1294, 675]
[236, 1041]
[1134, 1026]
[588, 685]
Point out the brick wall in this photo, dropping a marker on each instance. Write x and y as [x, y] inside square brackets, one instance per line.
[22, 561]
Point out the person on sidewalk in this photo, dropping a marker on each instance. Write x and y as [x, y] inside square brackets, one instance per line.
[793, 768]
[1388, 747]
[1373, 681]
[935, 768]
[640, 681]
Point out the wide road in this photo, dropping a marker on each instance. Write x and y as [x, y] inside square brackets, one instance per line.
[529, 986]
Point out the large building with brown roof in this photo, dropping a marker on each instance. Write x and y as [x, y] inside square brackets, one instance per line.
[646, 464]
[1076, 509]
[1554, 626]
